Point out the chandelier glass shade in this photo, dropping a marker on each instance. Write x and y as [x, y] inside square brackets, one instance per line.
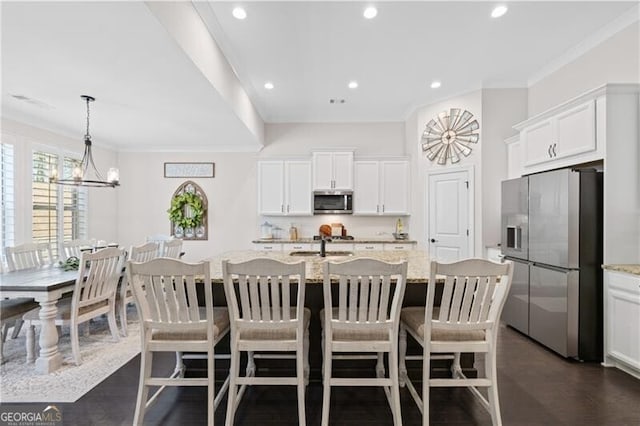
[86, 172]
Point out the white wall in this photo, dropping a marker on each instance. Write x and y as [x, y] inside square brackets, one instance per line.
[300, 139]
[145, 195]
[103, 202]
[501, 108]
[232, 193]
[416, 125]
[615, 60]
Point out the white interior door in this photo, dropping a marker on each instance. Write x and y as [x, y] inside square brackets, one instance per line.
[449, 221]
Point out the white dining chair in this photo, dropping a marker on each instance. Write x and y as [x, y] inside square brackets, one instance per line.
[141, 253]
[362, 317]
[267, 313]
[173, 248]
[94, 294]
[28, 255]
[474, 292]
[23, 256]
[75, 247]
[176, 317]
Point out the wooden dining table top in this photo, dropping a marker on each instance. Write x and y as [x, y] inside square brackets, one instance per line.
[45, 278]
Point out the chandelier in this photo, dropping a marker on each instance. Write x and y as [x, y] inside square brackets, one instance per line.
[86, 173]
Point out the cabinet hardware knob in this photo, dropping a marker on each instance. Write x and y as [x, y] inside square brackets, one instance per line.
[549, 151]
[554, 150]
[433, 240]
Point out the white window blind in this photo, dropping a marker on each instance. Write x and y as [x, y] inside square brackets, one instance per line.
[7, 197]
[59, 212]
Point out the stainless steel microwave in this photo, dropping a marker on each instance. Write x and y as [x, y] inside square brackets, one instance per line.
[332, 202]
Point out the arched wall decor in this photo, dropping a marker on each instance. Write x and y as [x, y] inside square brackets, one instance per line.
[188, 212]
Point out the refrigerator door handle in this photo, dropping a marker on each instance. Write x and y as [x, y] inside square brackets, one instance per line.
[552, 267]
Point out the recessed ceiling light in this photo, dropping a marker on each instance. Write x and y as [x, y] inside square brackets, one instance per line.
[239, 13]
[370, 12]
[268, 85]
[353, 85]
[498, 11]
[436, 84]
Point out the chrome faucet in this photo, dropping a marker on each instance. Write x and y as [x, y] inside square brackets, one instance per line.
[323, 245]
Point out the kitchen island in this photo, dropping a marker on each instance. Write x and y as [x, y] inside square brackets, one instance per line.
[417, 272]
[415, 295]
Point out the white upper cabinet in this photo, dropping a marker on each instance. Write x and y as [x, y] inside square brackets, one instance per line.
[298, 193]
[559, 137]
[333, 170]
[366, 191]
[381, 188]
[284, 188]
[271, 187]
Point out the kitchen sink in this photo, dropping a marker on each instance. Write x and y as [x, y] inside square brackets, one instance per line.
[317, 253]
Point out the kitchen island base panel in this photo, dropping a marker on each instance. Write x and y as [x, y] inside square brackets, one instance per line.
[415, 295]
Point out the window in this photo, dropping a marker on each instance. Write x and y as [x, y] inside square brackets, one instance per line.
[7, 230]
[59, 212]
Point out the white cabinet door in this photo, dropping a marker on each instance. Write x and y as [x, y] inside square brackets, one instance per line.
[622, 319]
[333, 170]
[567, 133]
[381, 188]
[297, 178]
[398, 246]
[284, 188]
[343, 170]
[538, 142]
[322, 170]
[270, 188]
[267, 247]
[296, 246]
[368, 246]
[394, 187]
[576, 130]
[366, 189]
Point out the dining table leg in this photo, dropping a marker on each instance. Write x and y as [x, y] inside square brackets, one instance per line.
[49, 358]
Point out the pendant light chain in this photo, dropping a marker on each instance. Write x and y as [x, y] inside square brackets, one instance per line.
[87, 135]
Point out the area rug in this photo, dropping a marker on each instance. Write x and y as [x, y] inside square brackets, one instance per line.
[101, 357]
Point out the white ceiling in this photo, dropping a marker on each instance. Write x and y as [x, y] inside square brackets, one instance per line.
[150, 95]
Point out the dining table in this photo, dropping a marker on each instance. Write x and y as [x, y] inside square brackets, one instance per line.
[46, 285]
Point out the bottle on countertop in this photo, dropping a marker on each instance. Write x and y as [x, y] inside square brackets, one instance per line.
[293, 233]
[399, 226]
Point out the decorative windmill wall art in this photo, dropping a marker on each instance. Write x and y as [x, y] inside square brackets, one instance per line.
[450, 135]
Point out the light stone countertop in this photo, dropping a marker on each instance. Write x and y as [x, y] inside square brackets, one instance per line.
[628, 268]
[369, 240]
[417, 273]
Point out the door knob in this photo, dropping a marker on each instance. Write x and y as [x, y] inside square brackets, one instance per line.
[433, 240]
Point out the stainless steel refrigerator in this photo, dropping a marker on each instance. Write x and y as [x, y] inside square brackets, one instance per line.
[552, 231]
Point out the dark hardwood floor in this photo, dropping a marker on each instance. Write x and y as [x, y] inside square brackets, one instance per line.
[536, 387]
